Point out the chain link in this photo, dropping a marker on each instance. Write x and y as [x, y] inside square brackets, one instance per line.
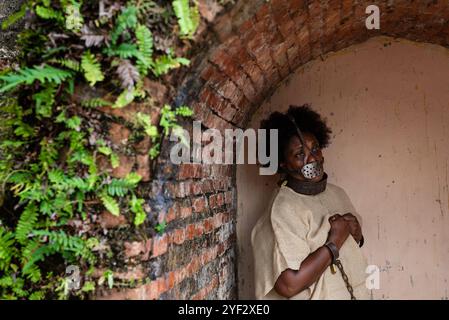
[345, 279]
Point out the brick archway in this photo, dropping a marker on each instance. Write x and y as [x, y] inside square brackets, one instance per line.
[248, 60]
[250, 50]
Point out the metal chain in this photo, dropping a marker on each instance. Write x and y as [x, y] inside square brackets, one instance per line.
[345, 278]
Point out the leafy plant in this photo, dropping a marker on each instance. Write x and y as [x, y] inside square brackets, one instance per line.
[91, 68]
[51, 183]
[43, 74]
[188, 17]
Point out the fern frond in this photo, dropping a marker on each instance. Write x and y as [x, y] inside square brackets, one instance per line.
[125, 98]
[73, 18]
[165, 63]
[127, 74]
[7, 249]
[68, 63]
[124, 51]
[144, 120]
[145, 43]
[120, 187]
[137, 208]
[188, 17]
[91, 38]
[26, 223]
[110, 204]
[33, 253]
[45, 100]
[49, 13]
[184, 111]
[95, 103]
[127, 19]
[91, 68]
[44, 74]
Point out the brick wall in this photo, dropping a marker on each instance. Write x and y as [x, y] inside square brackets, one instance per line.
[240, 56]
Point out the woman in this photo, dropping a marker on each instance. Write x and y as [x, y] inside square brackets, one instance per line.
[307, 245]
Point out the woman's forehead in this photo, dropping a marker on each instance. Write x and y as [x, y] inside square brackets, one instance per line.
[295, 142]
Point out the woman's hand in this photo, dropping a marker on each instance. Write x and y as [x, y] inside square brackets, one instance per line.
[356, 229]
[340, 230]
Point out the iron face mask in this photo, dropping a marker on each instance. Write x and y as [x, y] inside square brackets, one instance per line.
[309, 170]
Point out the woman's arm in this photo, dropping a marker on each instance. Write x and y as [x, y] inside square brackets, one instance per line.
[291, 282]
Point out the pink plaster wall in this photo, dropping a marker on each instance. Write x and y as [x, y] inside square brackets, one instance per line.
[387, 102]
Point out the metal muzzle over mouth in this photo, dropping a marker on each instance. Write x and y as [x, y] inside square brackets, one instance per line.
[312, 170]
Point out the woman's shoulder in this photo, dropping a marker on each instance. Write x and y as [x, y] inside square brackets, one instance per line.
[335, 189]
[282, 200]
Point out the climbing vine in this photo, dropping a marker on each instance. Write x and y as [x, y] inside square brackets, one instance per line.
[75, 58]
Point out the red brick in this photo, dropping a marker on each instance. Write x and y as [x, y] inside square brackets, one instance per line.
[135, 248]
[188, 170]
[109, 221]
[171, 280]
[143, 167]
[151, 290]
[220, 199]
[199, 229]
[127, 294]
[208, 225]
[190, 232]
[212, 201]
[160, 245]
[172, 213]
[199, 204]
[185, 212]
[119, 134]
[125, 167]
[162, 285]
[178, 236]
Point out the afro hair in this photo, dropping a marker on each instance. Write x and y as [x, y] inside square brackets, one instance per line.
[306, 119]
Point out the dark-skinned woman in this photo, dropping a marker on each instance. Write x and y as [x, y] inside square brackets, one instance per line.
[307, 244]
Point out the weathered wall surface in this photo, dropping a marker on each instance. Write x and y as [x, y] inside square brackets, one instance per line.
[7, 37]
[386, 102]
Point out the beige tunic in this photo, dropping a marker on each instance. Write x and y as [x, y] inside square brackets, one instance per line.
[295, 226]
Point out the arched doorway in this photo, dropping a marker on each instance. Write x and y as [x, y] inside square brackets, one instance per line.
[386, 101]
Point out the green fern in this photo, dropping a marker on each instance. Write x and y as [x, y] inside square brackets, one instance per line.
[137, 208]
[68, 63]
[145, 43]
[45, 100]
[126, 20]
[95, 103]
[26, 223]
[91, 68]
[144, 121]
[165, 63]
[121, 187]
[188, 17]
[33, 253]
[49, 13]
[44, 74]
[124, 51]
[184, 111]
[125, 98]
[110, 204]
[7, 250]
[73, 18]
